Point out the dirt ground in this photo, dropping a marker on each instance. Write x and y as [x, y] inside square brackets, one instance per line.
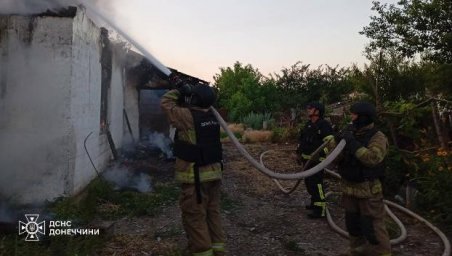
[258, 218]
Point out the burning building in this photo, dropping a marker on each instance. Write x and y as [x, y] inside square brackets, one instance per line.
[61, 79]
[66, 89]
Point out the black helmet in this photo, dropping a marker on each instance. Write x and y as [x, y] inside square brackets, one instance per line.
[203, 96]
[317, 105]
[366, 114]
[365, 109]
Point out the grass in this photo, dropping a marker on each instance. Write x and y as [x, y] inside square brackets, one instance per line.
[173, 231]
[61, 245]
[103, 202]
[293, 246]
[98, 201]
[228, 204]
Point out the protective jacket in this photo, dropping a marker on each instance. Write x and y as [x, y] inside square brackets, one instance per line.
[312, 136]
[207, 149]
[362, 171]
[198, 168]
[195, 141]
[353, 169]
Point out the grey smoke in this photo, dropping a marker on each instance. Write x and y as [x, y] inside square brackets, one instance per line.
[6, 213]
[162, 142]
[123, 178]
[27, 7]
[32, 6]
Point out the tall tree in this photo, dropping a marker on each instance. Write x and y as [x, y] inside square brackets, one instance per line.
[413, 27]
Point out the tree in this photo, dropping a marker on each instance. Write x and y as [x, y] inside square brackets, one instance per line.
[292, 85]
[243, 89]
[389, 77]
[413, 27]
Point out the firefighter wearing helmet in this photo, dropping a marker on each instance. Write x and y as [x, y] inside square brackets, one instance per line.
[198, 166]
[316, 131]
[362, 171]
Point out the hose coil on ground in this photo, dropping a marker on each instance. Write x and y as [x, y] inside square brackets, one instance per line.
[321, 166]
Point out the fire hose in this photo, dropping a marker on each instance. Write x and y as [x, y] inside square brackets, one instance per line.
[276, 176]
[321, 166]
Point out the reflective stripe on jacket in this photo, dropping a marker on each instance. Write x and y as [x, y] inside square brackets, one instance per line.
[181, 118]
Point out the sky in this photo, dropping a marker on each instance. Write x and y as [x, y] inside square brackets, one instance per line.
[198, 37]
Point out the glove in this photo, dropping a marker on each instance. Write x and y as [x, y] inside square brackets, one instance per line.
[175, 80]
[347, 130]
[185, 89]
[348, 136]
[352, 144]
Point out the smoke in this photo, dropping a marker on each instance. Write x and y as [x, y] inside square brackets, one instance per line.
[162, 142]
[6, 213]
[29, 137]
[101, 14]
[26, 7]
[123, 178]
[29, 7]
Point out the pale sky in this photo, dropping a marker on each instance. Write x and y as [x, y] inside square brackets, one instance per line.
[198, 37]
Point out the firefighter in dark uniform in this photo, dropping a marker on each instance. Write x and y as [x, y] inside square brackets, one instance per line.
[362, 170]
[198, 166]
[316, 131]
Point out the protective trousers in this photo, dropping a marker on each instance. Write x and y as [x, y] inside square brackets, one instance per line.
[364, 220]
[314, 186]
[202, 222]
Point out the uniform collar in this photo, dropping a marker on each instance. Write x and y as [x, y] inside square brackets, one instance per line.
[365, 129]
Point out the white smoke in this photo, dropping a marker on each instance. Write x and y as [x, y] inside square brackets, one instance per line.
[125, 179]
[162, 142]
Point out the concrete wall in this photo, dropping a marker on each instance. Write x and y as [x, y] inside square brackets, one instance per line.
[85, 102]
[50, 94]
[36, 135]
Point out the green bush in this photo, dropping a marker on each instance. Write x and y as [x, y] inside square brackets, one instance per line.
[284, 134]
[396, 170]
[434, 181]
[256, 120]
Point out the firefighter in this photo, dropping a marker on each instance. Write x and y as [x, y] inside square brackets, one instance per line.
[362, 170]
[316, 131]
[198, 166]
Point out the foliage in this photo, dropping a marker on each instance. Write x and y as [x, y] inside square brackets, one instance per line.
[228, 204]
[284, 134]
[57, 245]
[396, 172]
[413, 27]
[407, 119]
[389, 76]
[243, 89]
[102, 201]
[256, 120]
[433, 176]
[299, 84]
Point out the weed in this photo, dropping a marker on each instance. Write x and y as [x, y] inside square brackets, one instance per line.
[228, 204]
[293, 246]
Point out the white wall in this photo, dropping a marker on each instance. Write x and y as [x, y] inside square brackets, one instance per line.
[85, 101]
[50, 94]
[116, 102]
[36, 137]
